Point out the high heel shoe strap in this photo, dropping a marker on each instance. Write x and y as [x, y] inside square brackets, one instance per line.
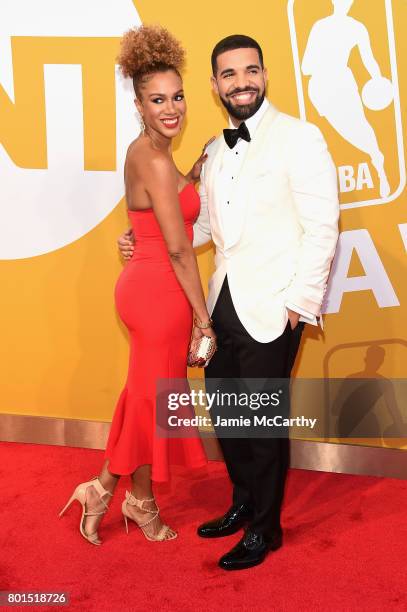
[133, 501]
[100, 489]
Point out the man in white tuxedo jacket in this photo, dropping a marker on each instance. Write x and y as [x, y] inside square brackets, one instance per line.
[269, 202]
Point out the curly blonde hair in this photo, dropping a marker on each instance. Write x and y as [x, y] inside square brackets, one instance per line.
[148, 49]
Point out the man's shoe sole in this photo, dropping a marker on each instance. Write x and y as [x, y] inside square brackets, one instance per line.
[242, 565]
[222, 534]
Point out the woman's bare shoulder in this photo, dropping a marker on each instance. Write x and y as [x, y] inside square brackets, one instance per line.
[142, 151]
[137, 148]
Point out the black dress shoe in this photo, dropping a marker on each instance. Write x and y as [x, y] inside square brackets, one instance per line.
[249, 551]
[231, 522]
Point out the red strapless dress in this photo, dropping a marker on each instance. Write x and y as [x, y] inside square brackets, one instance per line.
[153, 306]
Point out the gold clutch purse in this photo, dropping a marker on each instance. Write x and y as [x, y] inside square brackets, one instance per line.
[200, 352]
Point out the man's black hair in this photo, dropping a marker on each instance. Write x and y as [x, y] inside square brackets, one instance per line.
[230, 43]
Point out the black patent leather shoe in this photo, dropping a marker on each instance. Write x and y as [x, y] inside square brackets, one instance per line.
[231, 522]
[251, 550]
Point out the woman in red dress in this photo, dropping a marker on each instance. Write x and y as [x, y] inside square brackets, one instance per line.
[156, 293]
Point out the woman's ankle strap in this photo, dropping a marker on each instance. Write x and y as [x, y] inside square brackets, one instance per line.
[100, 488]
[133, 501]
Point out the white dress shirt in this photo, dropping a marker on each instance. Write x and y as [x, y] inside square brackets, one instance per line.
[229, 169]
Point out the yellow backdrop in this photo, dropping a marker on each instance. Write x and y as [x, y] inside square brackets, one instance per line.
[63, 349]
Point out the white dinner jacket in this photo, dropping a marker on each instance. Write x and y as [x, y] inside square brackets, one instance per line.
[286, 203]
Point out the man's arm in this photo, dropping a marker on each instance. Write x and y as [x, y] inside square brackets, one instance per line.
[125, 242]
[314, 189]
[202, 228]
[296, 314]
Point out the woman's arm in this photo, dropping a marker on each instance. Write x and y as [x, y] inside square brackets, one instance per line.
[161, 185]
[126, 240]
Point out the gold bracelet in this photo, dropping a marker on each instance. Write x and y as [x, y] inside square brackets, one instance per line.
[203, 325]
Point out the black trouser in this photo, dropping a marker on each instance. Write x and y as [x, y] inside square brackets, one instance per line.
[257, 466]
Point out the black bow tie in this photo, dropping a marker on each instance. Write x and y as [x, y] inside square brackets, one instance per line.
[232, 136]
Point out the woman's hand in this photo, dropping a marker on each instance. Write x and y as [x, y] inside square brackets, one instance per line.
[197, 334]
[195, 172]
[125, 242]
[209, 332]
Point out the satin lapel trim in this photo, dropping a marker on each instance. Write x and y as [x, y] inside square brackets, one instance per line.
[249, 165]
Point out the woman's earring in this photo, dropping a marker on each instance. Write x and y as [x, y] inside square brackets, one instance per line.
[142, 124]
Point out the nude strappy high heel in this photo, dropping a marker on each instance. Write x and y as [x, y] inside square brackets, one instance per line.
[80, 495]
[133, 501]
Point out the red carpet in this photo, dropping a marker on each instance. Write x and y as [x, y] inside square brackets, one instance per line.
[345, 542]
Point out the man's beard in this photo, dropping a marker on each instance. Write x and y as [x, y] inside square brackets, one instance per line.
[244, 111]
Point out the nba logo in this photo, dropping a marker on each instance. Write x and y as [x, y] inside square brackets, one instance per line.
[346, 76]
